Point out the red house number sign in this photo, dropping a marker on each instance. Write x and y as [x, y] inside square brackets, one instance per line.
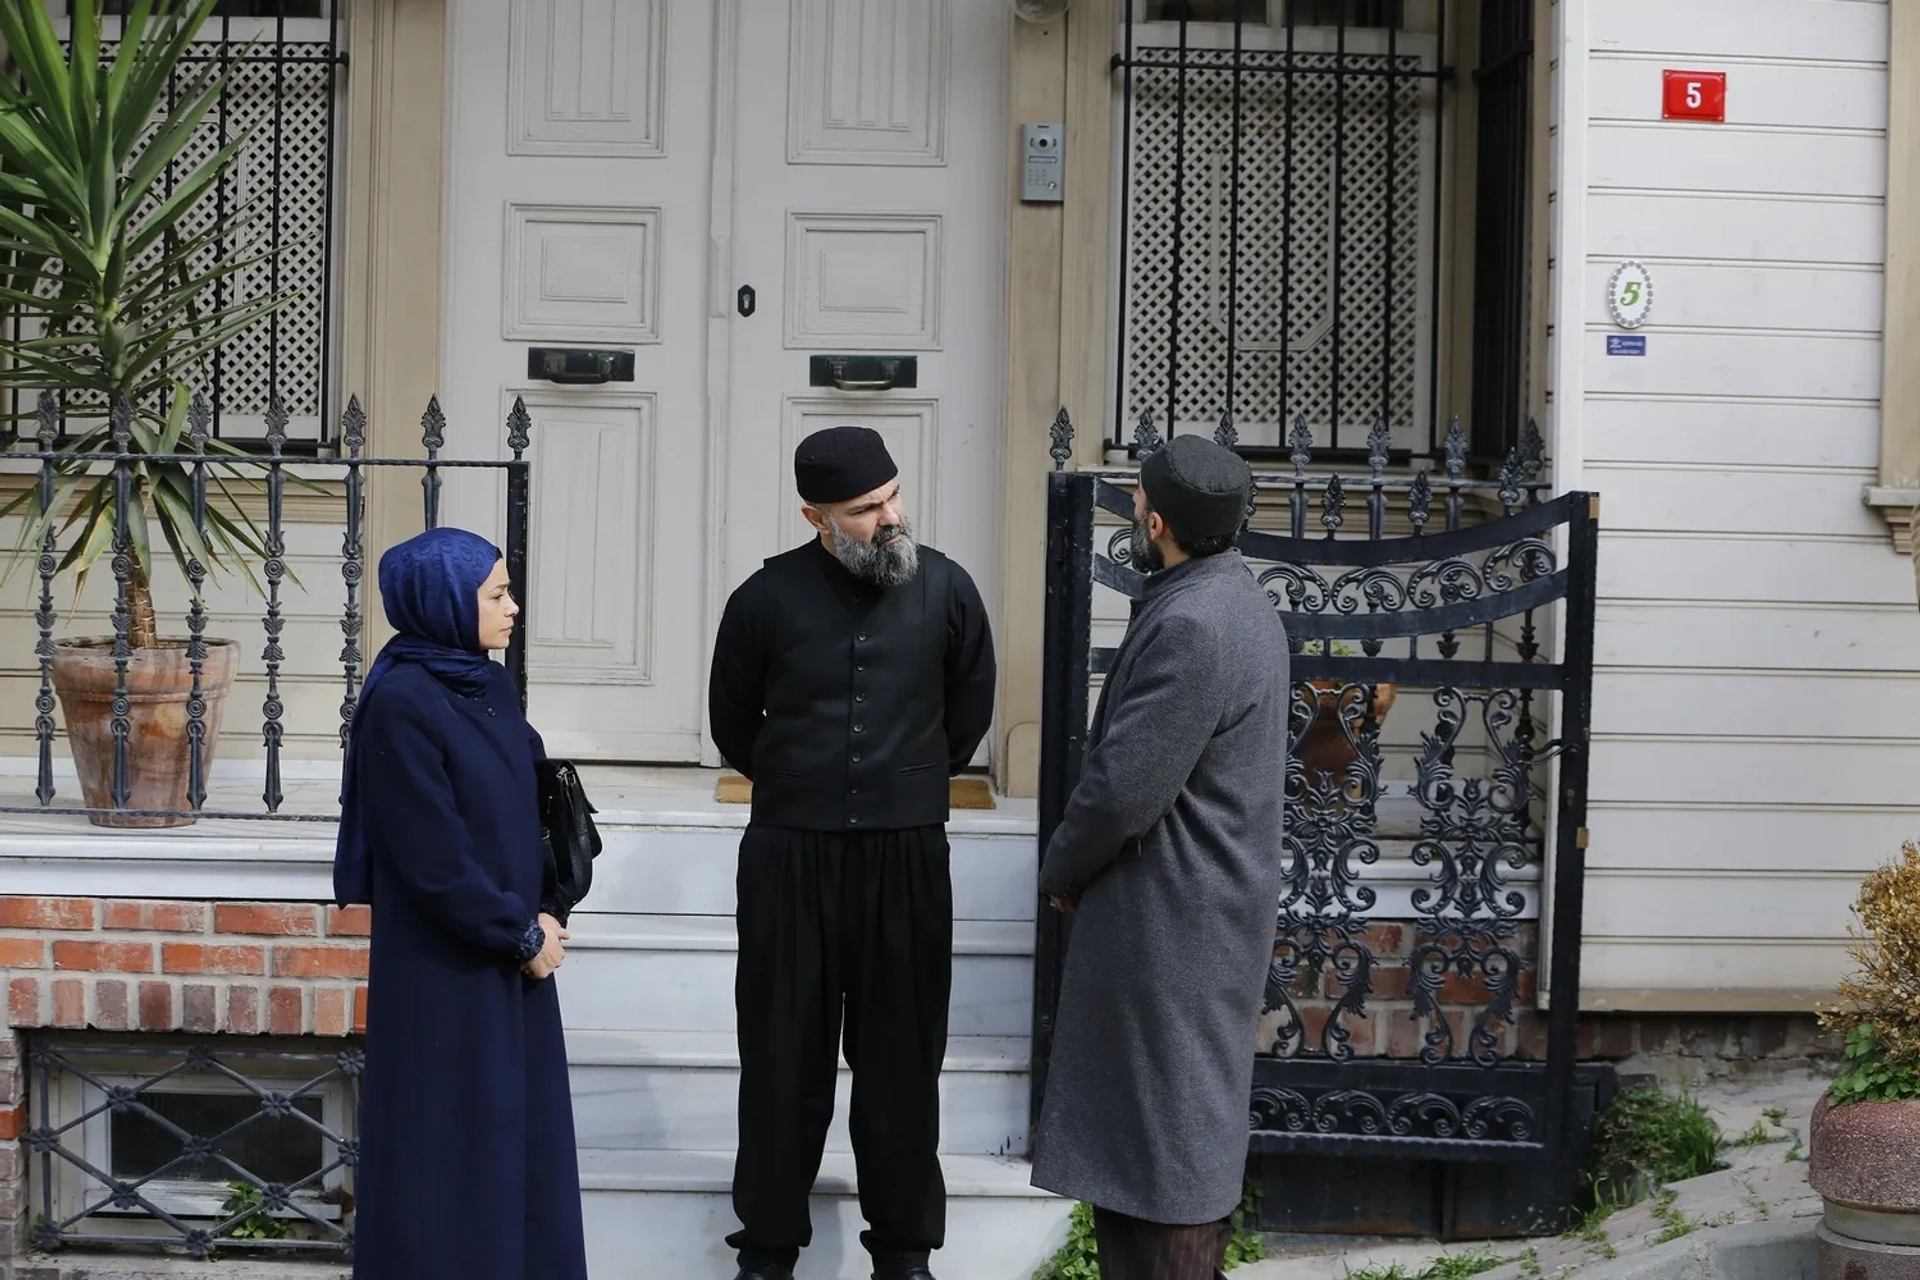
[1695, 95]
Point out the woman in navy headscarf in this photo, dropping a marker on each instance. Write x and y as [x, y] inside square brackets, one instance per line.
[467, 1168]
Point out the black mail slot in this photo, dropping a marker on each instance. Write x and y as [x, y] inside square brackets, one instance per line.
[579, 366]
[863, 373]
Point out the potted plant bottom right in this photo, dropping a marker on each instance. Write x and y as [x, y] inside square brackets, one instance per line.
[1864, 1147]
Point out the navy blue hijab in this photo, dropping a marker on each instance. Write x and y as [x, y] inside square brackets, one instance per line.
[430, 587]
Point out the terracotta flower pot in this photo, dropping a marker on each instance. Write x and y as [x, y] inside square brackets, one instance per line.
[159, 754]
[1864, 1160]
[1325, 747]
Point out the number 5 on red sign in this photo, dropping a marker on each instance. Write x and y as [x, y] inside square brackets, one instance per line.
[1694, 95]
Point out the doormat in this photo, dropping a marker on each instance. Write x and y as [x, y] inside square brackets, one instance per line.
[963, 793]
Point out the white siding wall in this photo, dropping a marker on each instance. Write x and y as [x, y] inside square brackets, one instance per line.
[1756, 704]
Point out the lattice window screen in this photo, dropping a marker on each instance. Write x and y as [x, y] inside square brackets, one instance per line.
[287, 351]
[1370, 248]
[293, 155]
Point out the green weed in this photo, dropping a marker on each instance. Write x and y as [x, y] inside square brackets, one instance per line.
[1674, 1224]
[1078, 1258]
[1648, 1138]
[1453, 1266]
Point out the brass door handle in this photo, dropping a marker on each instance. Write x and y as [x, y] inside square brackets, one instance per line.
[863, 384]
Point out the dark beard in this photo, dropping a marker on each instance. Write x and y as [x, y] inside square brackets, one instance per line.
[880, 562]
[1142, 552]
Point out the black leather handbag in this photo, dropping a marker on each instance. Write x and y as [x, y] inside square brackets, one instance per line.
[566, 830]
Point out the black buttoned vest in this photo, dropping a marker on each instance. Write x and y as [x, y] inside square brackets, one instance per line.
[855, 735]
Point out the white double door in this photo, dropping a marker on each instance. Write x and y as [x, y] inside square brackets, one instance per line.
[725, 190]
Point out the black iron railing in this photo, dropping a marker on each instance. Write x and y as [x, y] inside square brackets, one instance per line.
[120, 1151]
[267, 474]
[1437, 587]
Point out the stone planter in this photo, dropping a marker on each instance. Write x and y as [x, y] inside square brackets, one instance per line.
[1325, 746]
[1864, 1160]
[159, 753]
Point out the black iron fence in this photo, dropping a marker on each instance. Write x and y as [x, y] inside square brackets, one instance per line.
[215, 477]
[207, 1149]
[1433, 876]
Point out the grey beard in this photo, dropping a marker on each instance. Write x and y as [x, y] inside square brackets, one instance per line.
[1141, 551]
[889, 565]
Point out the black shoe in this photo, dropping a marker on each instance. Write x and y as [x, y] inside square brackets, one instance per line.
[764, 1271]
[912, 1271]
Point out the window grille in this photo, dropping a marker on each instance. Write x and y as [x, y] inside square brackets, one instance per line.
[1286, 231]
[288, 87]
[1279, 208]
[155, 1143]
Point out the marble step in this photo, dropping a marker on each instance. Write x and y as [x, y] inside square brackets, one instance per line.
[680, 1090]
[675, 973]
[689, 870]
[664, 1215]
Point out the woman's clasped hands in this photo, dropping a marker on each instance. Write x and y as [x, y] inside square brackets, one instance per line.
[552, 954]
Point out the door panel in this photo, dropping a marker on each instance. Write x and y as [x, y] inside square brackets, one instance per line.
[869, 196]
[577, 218]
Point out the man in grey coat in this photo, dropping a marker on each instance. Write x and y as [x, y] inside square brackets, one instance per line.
[1170, 853]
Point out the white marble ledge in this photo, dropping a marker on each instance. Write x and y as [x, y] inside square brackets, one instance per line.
[712, 1171]
[625, 795]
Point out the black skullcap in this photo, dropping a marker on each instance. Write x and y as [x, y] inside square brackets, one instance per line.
[1199, 488]
[838, 463]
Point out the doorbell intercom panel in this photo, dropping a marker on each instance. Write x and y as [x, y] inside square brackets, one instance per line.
[1042, 162]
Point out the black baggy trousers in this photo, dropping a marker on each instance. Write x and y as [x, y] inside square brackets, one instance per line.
[845, 940]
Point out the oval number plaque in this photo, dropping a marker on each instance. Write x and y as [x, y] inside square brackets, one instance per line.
[1630, 294]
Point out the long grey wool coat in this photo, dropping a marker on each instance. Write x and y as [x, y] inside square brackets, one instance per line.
[1171, 842]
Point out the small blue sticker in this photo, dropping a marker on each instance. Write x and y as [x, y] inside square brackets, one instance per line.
[1626, 344]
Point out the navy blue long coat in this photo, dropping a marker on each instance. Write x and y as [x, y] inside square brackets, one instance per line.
[467, 1168]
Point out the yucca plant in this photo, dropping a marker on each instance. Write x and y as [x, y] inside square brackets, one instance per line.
[116, 264]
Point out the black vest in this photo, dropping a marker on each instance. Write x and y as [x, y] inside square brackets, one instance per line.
[855, 736]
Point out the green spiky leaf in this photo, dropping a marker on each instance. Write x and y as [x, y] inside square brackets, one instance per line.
[105, 227]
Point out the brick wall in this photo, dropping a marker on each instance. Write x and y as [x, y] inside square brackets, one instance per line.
[238, 968]
[1673, 1047]
[114, 964]
[1386, 1027]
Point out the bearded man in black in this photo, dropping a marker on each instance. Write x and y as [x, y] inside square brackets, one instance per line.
[852, 678]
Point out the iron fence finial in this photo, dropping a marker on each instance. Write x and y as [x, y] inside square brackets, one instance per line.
[1226, 435]
[1302, 443]
[199, 422]
[1456, 449]
[519, 427]
[1420, 502]
[47, 412]
[1379, 442]
[353, 425]
[1533, 450]
[1060, 440]
[1146, 436]
[1333, 503]
[433, 427]
[121, 423]
[1513, 480]
[276, 424]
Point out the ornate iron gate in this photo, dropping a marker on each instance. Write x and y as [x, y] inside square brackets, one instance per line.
[1422, 843]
